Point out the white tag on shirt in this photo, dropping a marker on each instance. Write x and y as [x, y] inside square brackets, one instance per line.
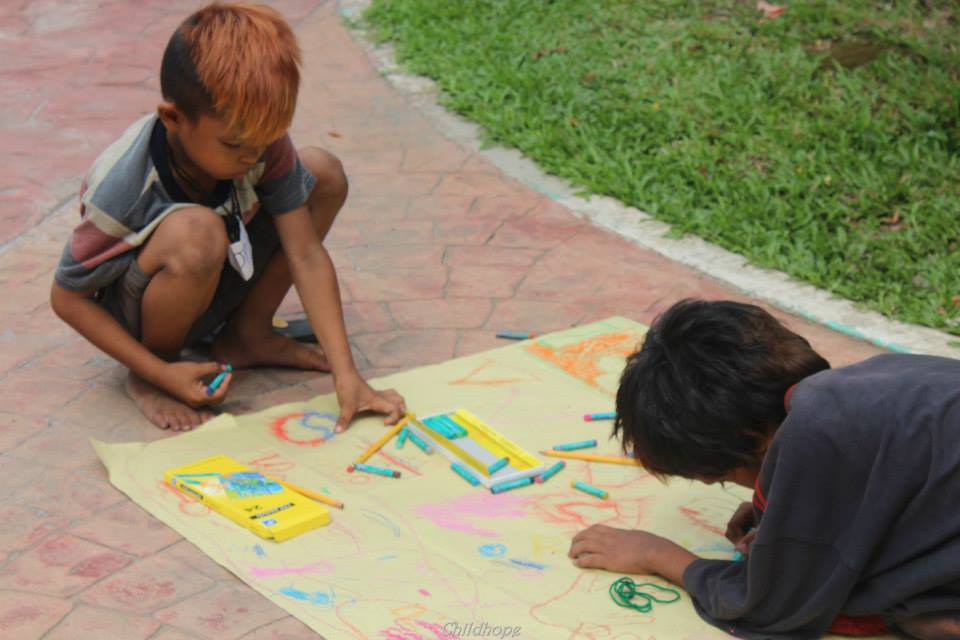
[240, 253]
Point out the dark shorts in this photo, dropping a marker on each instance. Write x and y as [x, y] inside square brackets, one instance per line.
[123, 298]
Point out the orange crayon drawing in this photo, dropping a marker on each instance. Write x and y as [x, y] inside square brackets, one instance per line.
[581, 359]
[187, 506]
[272, 464]
[472, 377]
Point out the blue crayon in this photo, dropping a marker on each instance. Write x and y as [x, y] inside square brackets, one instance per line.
[463, 473]
[438, 426]
[609, 415]
[496, 466]
[582, 486]
[512, 484]
[402, 438]
[516, 335]
[455, 428]
[417, 440]
[573, 446]
[380, 471]
[216, 382]
[552, 471]
[737, 555]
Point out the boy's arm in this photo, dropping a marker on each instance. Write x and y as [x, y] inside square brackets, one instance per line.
[315, 278]
[182, 380]
[630, 551]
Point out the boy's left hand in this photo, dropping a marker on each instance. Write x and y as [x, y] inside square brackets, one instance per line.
[355, 395]
[618, 550]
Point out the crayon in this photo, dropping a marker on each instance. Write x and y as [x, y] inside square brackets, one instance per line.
[737, 555]
[496, 466]
[417, 440]
[590, 457]
[609, 415]
[380, 471]
[402, 438]
[516, 335]
[313, 495]
[216, 382]
[455, 429]
[463, 473]
[512, 484]
[372, 449]
[552, 471]
[600, 493]
[573, 446]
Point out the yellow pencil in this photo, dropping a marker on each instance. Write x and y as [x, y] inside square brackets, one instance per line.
[590, 457]
[383, 440]
[313, 495]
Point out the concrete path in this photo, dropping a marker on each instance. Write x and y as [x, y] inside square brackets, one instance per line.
[436, 250]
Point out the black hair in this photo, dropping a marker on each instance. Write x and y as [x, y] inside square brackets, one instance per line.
[706, 388]
[179, 81]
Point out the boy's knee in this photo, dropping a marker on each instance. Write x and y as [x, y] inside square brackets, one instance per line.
[197, 240]
[328, 171]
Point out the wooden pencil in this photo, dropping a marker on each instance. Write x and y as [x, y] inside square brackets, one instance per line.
[590, 457]
[376, 446]
[313, 495]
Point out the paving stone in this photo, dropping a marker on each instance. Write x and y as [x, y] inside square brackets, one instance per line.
[148, 585]
[402, 348]
[61, 565]
[28, 616]
[288, 628]
[223, 613]
[90, 622]
[128, 528]
[444, 313]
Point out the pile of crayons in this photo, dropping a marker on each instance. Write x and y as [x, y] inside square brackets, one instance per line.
[448, 428]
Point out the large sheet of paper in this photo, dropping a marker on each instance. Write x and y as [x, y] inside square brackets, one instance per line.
[425, 556]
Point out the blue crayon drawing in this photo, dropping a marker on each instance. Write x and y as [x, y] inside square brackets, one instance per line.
[492, 550]
[317, 597]
[259, 550]
[527, 564]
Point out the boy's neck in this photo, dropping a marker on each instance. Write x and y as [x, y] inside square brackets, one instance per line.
[195, 182]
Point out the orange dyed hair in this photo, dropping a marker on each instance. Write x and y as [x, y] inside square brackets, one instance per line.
[236, 62]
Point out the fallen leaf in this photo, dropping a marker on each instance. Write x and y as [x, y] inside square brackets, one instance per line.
[770, 11]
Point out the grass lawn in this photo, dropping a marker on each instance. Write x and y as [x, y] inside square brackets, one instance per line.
[824, 143]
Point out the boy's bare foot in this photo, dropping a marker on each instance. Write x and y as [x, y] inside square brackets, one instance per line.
[267, 349]
[163, 410]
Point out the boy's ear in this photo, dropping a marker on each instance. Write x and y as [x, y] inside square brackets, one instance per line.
[170, 115]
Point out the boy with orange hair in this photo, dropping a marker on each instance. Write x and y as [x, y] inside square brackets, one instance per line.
[196, 222]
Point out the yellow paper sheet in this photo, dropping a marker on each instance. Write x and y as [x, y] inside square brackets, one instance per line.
[412, 558]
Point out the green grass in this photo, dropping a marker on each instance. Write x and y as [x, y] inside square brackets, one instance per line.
[729, 126]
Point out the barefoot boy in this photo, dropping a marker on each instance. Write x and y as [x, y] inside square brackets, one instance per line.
[855, 473]
[199, 218]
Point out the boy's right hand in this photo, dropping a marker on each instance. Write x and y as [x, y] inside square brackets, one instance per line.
[187, 382]
[741, 522]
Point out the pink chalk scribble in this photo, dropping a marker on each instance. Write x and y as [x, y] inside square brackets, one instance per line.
[467, 513]
[424, 592]
[313, 567]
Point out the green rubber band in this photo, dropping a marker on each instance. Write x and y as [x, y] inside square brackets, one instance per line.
[624, 590]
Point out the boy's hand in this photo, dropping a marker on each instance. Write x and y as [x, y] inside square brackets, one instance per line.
[355, 395]
[740, 523]
[618, 550]
[185, 381]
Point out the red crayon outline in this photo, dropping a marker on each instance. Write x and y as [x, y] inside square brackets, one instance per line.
[279, 429]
